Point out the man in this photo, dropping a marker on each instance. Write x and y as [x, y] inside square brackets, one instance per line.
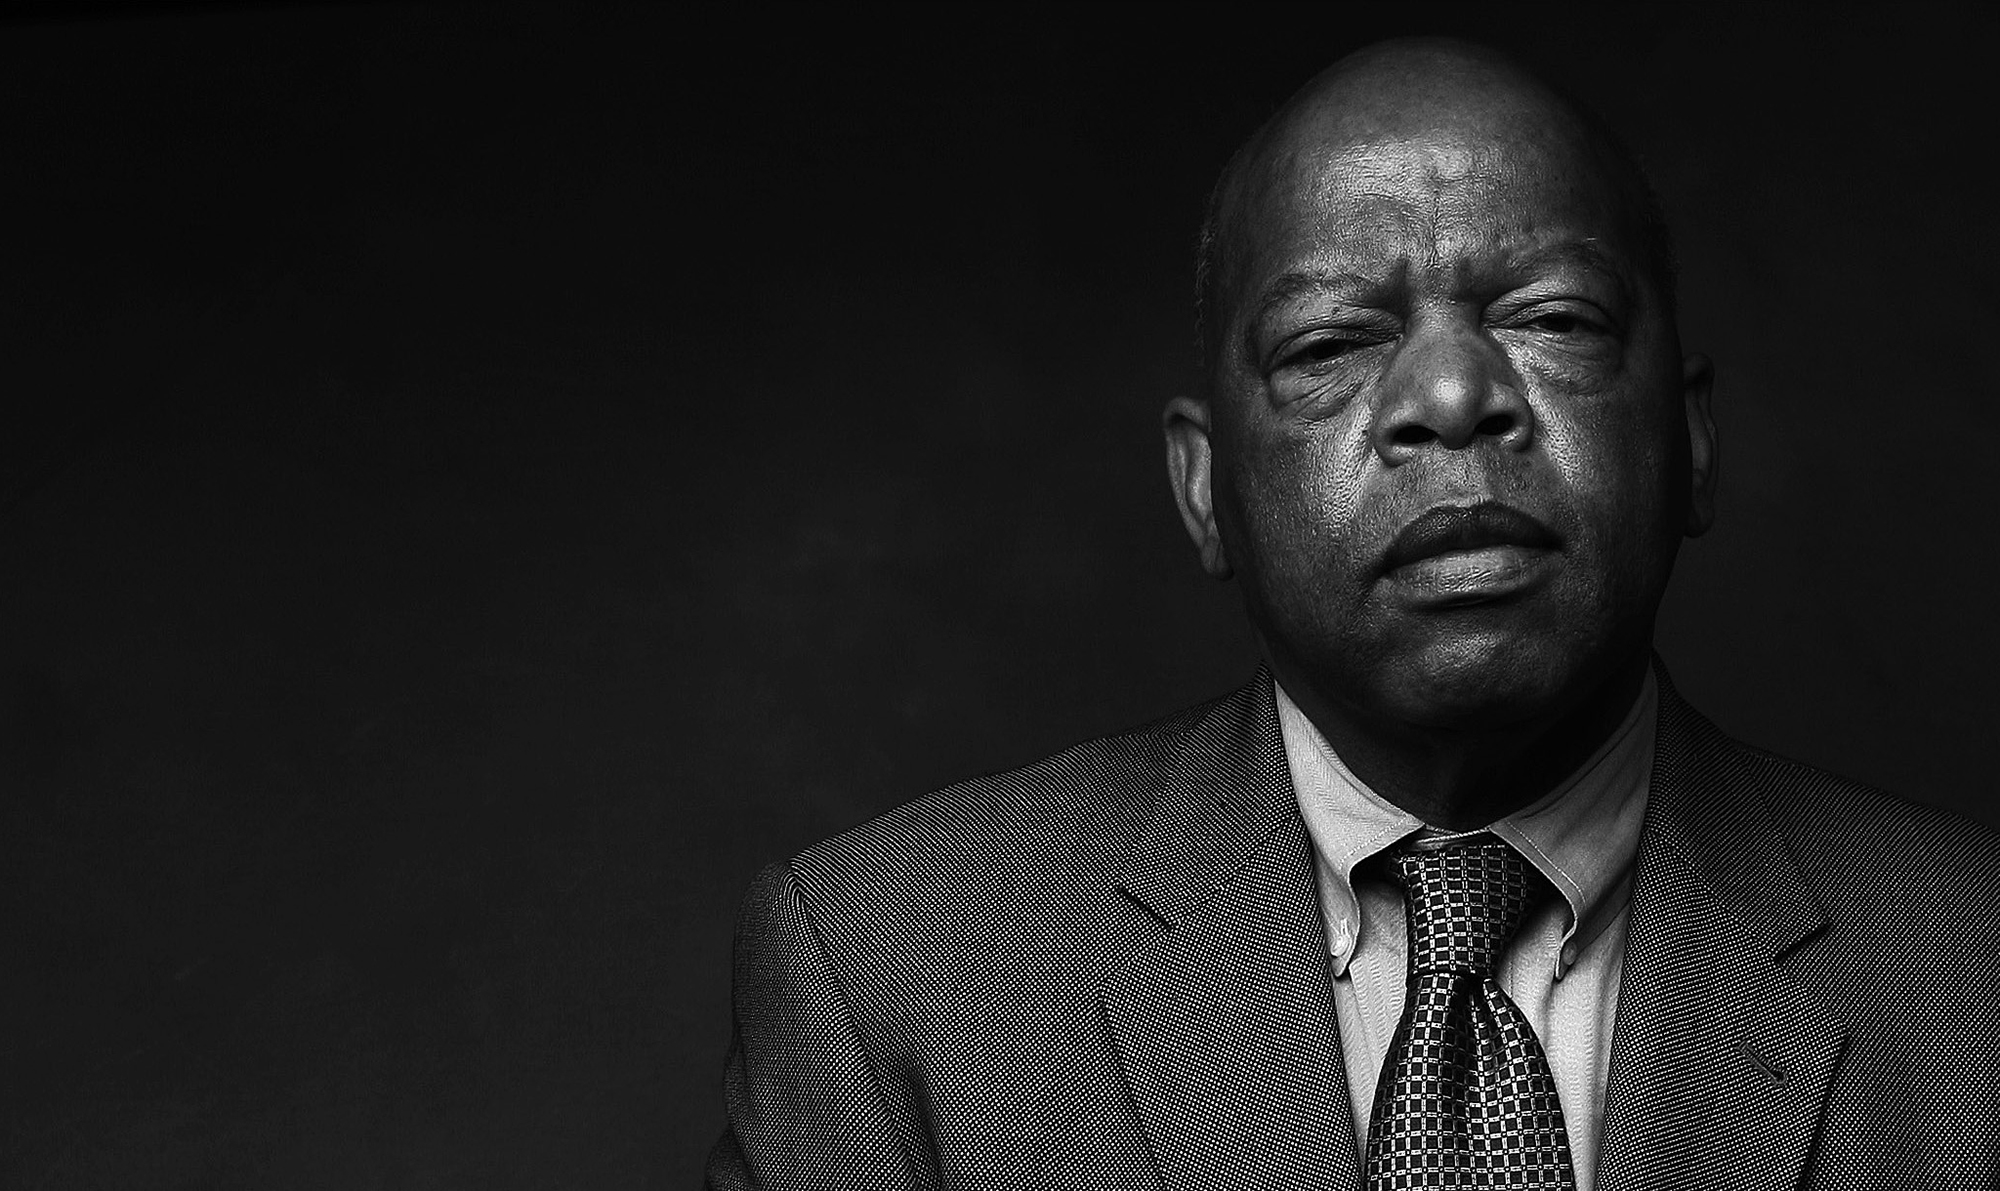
[1457, 891]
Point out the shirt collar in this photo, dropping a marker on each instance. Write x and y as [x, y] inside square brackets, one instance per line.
[1582, 835]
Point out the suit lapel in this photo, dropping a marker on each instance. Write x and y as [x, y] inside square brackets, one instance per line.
[1225, 1023]
[1720, 1061]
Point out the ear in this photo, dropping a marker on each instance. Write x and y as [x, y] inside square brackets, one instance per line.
[1704, 450]
[1191, 471]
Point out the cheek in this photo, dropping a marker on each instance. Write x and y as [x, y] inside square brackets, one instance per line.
[1616, 460]
[1592, 451]
[1612, 427]
[1299, 504]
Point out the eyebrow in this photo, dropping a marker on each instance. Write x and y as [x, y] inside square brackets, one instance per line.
[1580, 254]
[1291, 286]
[1287, 287]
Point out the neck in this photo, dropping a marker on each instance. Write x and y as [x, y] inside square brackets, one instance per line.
[1462, 778]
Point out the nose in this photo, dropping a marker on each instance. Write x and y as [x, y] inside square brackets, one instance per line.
[1450, 388]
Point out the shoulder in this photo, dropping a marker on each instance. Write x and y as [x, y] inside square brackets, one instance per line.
[1014, 852]
[1010, 880]
[1876, 906]
[1830, 814]
[1863, 850]
[1073, 810]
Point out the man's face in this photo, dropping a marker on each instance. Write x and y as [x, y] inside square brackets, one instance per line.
[1450, 423]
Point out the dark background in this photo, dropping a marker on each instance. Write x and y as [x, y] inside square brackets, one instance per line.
[477, 484]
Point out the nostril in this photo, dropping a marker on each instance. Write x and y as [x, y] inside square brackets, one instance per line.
[1496, 425]
[1413, 434]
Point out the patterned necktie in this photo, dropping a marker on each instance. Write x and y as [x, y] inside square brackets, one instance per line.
[1466, 1097]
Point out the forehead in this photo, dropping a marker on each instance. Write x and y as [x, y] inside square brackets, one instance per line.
[1441, 197]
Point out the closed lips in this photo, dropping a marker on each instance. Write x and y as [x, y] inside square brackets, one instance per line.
[1449, 528]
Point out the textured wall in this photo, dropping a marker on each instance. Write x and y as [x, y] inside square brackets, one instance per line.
[477, 486]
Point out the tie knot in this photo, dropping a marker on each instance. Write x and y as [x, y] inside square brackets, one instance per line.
[1465, 902]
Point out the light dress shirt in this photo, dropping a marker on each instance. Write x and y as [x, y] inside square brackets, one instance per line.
[1562, 968]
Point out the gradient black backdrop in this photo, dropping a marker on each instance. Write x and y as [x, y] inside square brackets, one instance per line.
[478, 484]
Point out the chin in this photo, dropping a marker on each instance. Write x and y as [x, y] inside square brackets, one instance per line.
[1484, 682]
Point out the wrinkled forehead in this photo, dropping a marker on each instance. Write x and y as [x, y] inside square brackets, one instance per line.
[1369, 197]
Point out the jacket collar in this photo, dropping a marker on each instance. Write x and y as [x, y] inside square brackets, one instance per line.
[1225, 1023]
[1225, 791]
[1721, 1060]
[1708, 810]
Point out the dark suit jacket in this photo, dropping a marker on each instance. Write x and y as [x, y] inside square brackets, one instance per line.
[1108, 970]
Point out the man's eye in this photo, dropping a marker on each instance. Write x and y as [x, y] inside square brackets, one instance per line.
[1564, 322]
[1321, 351]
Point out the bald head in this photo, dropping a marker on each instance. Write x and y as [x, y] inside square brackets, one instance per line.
[1477, 114]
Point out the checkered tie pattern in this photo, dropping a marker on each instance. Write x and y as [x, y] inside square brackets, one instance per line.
[1466, 1097]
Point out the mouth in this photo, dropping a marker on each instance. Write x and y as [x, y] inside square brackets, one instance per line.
[1457, 554]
